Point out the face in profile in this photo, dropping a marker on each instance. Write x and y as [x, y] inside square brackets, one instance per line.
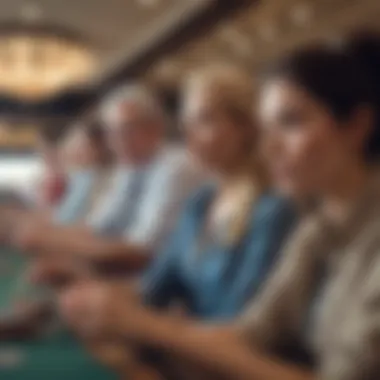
[216, 140]
[131, 133]
[305, 147]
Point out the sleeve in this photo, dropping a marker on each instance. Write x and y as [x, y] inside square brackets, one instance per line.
[68, 210]
[161, 282]
[276, 229]
[263, 250]
[104, 219]
[277, 312]
[160, 214]
[355, 355]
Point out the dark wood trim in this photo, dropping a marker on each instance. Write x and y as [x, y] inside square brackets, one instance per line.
[192, 28]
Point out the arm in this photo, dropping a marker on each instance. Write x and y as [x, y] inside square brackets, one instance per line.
[25, 323]
[216, 350]
[222, 351]
[122, 359]
[354, 349]
[106, 253]
[219, 351]
[274, 315]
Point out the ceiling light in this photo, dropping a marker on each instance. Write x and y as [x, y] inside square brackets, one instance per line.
[37, 66]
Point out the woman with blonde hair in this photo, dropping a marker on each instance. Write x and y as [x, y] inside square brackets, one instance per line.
[230, 232]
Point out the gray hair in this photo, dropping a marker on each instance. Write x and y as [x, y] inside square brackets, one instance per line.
[135, 94]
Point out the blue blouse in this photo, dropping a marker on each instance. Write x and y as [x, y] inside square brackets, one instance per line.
[217, 283]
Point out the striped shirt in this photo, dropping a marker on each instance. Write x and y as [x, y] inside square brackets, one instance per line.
[144, 202]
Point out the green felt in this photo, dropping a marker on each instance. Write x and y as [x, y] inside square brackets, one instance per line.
[55, 356]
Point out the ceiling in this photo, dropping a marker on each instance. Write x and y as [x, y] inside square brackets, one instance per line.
[112, 29]
[115, 32]
[265, 29]
[162, 40]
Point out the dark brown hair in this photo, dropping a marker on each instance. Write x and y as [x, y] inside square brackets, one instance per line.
[343, 78]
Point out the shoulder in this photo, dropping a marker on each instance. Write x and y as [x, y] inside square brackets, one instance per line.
[176, 169]
[198, 201]
[175, 159]
[273, 207]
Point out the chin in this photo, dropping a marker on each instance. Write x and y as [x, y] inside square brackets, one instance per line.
[287, 188]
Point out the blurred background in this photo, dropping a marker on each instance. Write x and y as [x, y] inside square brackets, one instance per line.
[57, 57]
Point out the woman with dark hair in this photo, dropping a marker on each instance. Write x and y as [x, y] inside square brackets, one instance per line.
[319, 109]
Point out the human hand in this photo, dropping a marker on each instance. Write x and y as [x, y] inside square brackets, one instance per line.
[122, 358]
[99, 309]
[57, 272]
[27, 235]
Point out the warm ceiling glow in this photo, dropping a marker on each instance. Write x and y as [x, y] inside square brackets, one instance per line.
[34, 67]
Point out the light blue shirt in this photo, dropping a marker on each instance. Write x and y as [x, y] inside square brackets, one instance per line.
[217, 282]
[74, 204]
[143, 203]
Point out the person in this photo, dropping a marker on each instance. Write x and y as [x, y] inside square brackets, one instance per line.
[52, 186]
[152, 182]
[231, 224]
[37, 202]
[88, 161]
[230, 233]
[319, 110]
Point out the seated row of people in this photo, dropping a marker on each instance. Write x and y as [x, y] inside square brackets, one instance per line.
[314, 299]
[150, 183]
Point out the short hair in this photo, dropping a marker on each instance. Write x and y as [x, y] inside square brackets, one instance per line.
[231, 85]
[137, 94]
[343, 78]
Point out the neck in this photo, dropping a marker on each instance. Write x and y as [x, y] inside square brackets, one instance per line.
[345, 190]
[140, 160]
[236, 175]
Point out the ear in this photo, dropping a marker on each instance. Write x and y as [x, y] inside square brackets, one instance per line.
[360, 125]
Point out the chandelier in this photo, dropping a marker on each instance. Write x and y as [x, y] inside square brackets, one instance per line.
[34, 66]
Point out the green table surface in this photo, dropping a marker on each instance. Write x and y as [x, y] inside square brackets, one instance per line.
[55, 356]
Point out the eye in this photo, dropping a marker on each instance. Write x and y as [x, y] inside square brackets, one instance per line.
[291, 118]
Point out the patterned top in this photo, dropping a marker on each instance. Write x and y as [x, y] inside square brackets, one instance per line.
[344, 331]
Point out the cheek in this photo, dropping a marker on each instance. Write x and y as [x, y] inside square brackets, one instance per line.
[314, 157]
[203, 143]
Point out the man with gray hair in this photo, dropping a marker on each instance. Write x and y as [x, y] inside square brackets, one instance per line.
[151, 184]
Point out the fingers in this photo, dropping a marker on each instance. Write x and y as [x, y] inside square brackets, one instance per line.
[94, 308]
[86, 308]
[54, 272]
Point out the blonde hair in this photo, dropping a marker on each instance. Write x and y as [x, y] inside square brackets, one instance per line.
[232, 88]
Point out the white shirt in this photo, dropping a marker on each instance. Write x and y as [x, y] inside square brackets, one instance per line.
[143, 203]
